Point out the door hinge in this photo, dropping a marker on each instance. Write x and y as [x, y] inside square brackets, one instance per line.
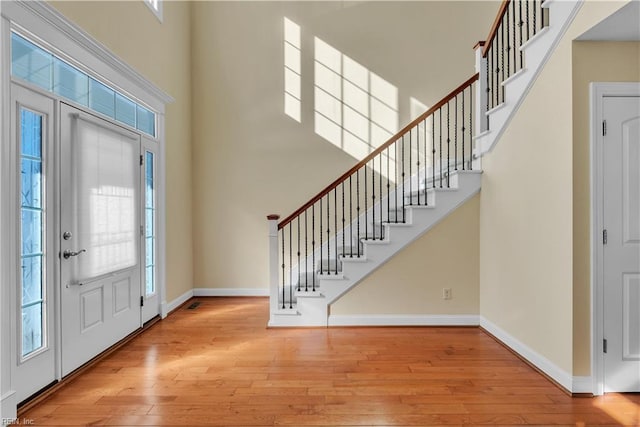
[141, 159]
[604, 345]
[141, 301]
[604, 237]
[604, 127]
[142, 230]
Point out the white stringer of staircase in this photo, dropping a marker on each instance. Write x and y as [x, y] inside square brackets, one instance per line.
[312, 308]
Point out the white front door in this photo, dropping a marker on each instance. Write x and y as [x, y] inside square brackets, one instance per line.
[100, 235]
[621, 215]
[33, 332]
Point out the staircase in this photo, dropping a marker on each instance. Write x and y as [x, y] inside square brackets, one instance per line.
[414, 180]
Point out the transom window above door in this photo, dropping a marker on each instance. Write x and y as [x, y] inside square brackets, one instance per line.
[35, 65]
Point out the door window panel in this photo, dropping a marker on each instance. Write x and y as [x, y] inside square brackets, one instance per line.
[32, 300]
[150, 216]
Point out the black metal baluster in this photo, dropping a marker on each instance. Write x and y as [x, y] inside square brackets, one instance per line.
[306, 253]
[366, 211]
[388, 188]
[373, 197]
[410, 174]
[508, 53]
[455, 135]
[535, 11]
[426, 162]
[463, 128]
[418, 161]
[526, 5]
[403, 188]
[290, 272]
[488, 89]
[395, 173]
[502, 60]
[358, 209]
[321, 257]
[380, 197]
[513, 40]
[433, 151]
[350, 216]
[496, 88]
[343, 222]
[448, 142]
[471, 128]
[521, 23]
[284, 286]
[298, 252]
[313, 246]
[440, 146]
[335, 224]
[328, 235]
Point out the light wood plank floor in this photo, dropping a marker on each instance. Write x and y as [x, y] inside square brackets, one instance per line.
[219, 365]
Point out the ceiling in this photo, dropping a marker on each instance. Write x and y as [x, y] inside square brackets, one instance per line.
[623, 25]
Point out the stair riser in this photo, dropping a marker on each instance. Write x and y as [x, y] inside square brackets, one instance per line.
[313, 309]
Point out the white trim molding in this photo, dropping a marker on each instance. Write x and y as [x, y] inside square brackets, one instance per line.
[230, 292]
[582, 385]
[69, 41]
[598, 91]
[404, 320]
[8, 407]
[562, 377]
[166, 308]
[4, 132]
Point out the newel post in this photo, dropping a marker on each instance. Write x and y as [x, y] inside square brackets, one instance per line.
[273, 262]
[482, 122]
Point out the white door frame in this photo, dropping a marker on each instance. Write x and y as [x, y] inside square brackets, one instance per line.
[598, 91]
[56, 33]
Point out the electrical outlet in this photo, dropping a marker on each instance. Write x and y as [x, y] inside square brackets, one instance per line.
[446, 293]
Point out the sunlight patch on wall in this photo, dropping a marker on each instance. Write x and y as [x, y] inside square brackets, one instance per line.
[292, 70]
[355, 109]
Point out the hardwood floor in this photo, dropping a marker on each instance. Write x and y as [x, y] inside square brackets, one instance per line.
[218, 365]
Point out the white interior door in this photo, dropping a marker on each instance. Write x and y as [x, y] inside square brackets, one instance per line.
[100, 227]
[621, 214]
[34, 357]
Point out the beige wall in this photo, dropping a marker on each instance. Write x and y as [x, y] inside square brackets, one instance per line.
[527, 215]
[162, 53]
[240, 127]
[411, 283]
[592, 62]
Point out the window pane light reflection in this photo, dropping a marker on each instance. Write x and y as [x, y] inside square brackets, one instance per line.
[354, 109]
[292, 70]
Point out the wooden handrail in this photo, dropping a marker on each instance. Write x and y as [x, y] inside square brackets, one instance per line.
[377, 151]
[494, 28]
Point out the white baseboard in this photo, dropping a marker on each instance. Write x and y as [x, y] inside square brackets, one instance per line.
[8, 408]
[230, 292]
[404, 320]
[582, 385]
[545, 365]
[166, 308]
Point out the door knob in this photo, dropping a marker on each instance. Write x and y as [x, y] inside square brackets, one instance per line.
[68, 254]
